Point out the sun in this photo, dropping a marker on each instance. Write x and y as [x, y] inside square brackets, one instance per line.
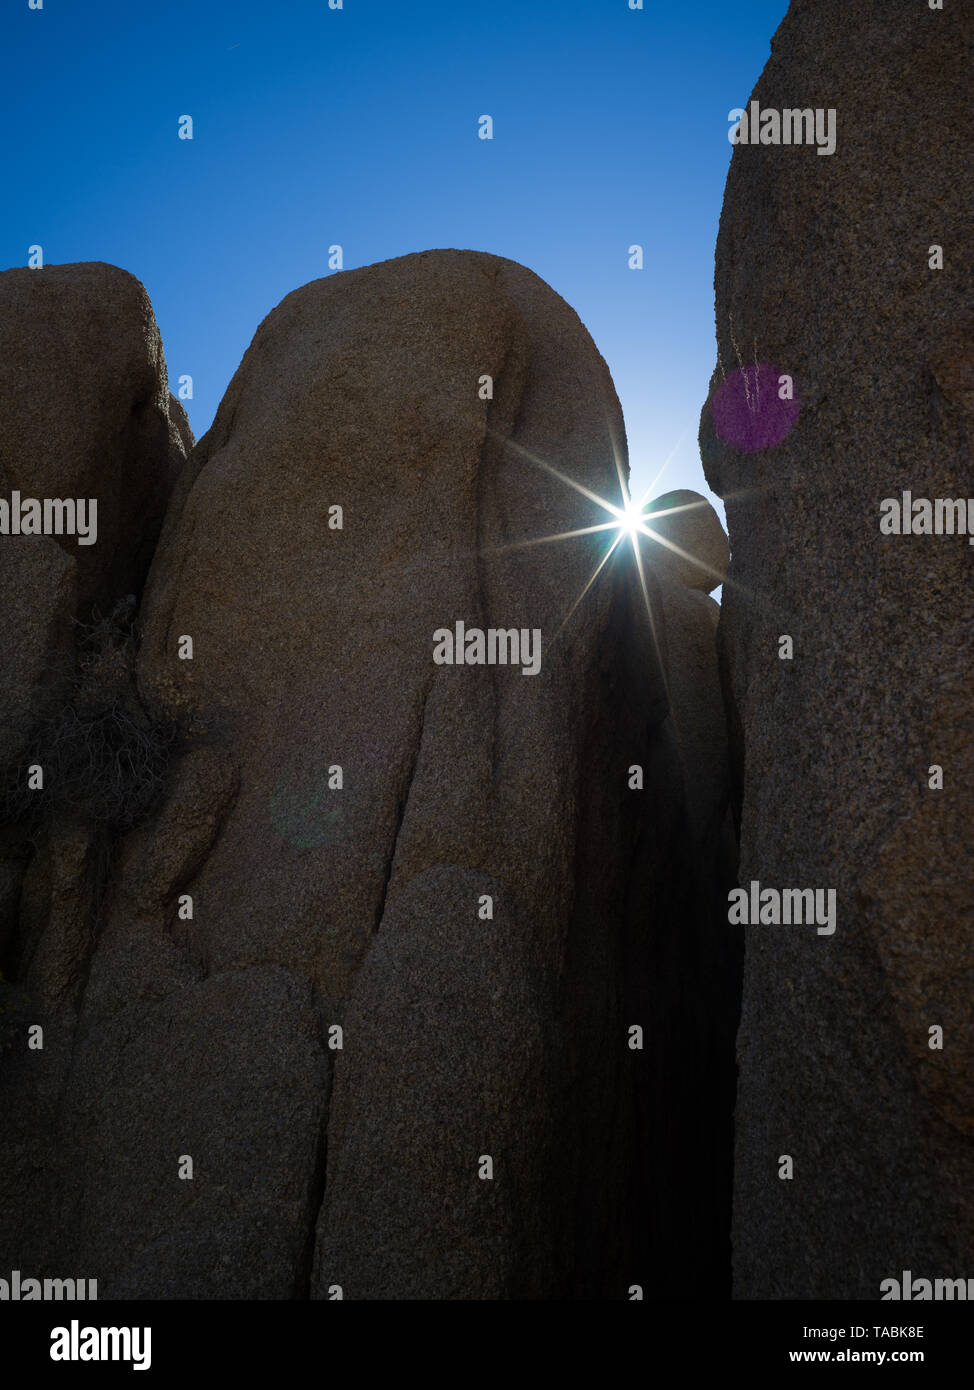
[625, 519]
[630, 519]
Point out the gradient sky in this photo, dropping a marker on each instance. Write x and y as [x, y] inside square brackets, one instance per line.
[359, 127]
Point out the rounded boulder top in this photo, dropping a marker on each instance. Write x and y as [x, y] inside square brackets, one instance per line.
[687, 539]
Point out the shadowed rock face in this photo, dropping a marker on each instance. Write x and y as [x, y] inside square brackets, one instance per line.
[361, 904]
[823, 263]
[85, 412]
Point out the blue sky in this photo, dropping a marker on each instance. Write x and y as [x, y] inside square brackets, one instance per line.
[359, 127]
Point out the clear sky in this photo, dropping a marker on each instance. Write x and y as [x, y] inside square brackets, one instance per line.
[358, 126]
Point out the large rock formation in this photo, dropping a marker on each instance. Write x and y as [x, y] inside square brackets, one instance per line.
[478, 879]
[824, 274]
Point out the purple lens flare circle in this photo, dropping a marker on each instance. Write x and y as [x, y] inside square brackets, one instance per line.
[748, 409]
